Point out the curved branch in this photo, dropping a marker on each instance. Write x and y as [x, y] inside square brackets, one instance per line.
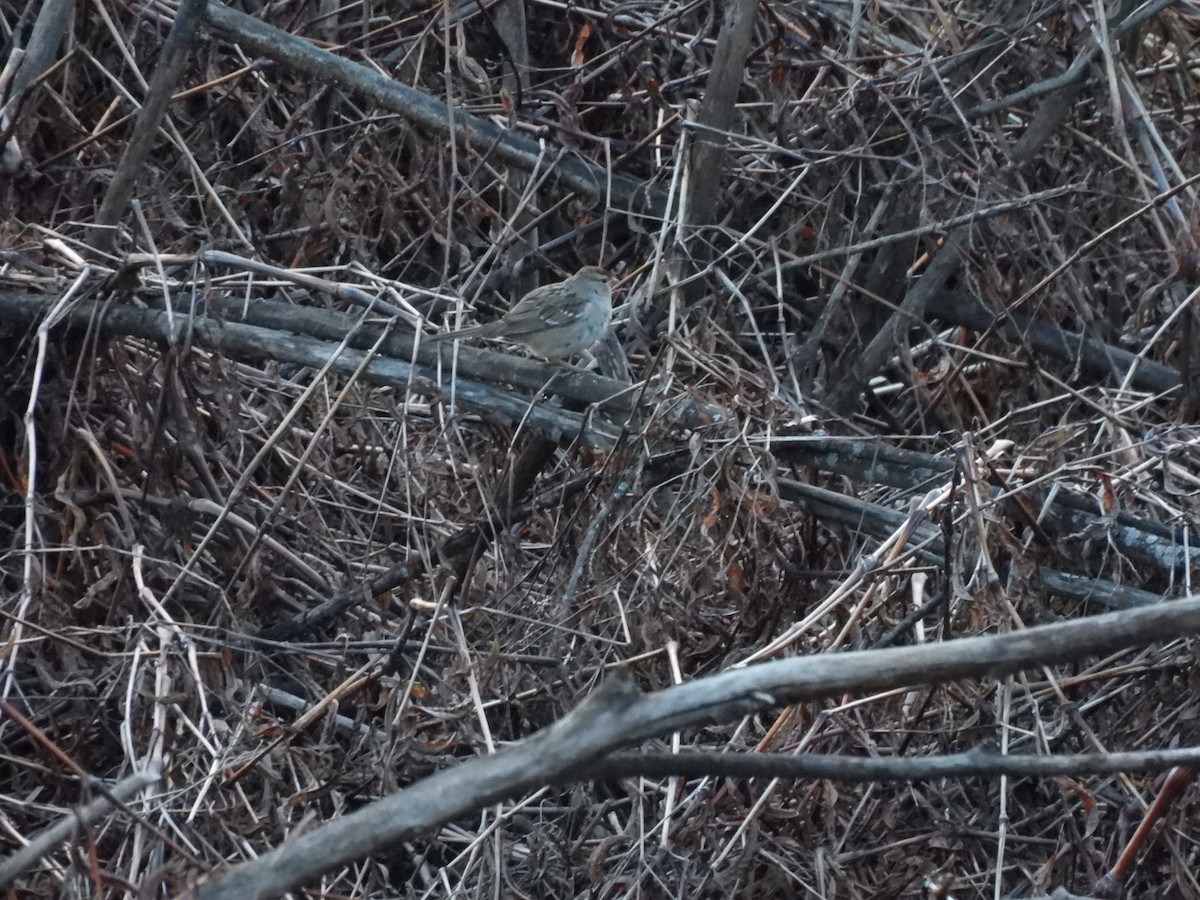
[617, 716]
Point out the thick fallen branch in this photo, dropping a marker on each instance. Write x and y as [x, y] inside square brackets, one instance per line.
[876, 462]
[74, 822]
[1093, 356]
[473, 363]
[486, 137]
[257, 343]
[926, 543]
[617, 716]
[267, 329]
[867, 769]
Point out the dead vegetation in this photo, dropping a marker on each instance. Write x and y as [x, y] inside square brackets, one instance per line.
[907, 355]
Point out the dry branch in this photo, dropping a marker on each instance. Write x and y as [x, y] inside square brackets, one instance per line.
[717, 110]
[870, 770]
[946, 262]
[617, 716]
[1167, 547]
[257, 343]
[1093, 356]
[74, 822]
[488, 138]
[178, 45]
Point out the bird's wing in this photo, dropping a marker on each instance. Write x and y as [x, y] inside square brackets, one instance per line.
[527, 321]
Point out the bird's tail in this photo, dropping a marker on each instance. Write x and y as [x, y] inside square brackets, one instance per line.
[462, 334]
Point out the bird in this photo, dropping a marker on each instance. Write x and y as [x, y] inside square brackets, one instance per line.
[555, 321]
